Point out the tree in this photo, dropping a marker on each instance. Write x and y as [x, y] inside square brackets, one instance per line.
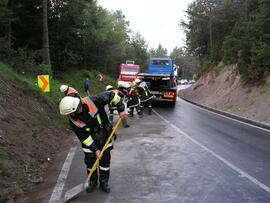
[137, 49]
[188, 64]
[5, 29]
[158, 52]
[46, 48]
[209, 21]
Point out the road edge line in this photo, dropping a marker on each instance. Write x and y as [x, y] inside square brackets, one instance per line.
[230, 165]
[258, 124]
[58, 189]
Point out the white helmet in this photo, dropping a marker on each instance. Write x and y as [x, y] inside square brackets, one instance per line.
[63, 88]
[127, 85]
[120, 84]
[69, 105]
[133, 84]
[137, 80]
[143, 84]
[108, 87]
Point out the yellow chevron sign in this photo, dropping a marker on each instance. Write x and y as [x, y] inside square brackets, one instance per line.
[44, 83]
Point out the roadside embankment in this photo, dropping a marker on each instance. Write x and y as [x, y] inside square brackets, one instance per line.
[224, 91]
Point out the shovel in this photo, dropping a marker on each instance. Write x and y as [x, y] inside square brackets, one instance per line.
[81, 187]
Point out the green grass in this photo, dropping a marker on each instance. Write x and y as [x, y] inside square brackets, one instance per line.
[218, 68]
[4, 169]
[264, 90]
[74, 79]
[95, 86]
[4, 154]
[230, 104]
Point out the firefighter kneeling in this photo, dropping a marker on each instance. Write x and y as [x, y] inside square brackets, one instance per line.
[89, 121]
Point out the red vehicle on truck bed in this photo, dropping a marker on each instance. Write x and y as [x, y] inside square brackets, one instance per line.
[128, 72]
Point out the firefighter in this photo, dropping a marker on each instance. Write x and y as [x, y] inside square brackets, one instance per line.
[145, 95]
[89, 121]
[112, 107]
[133, 101]
[69, 91]
[121, 87]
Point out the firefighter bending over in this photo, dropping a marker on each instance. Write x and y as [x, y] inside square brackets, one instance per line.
[89, 121]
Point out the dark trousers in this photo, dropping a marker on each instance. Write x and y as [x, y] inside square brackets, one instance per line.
[111, 115]
[138, 109]
[147, 104]
[104, 166]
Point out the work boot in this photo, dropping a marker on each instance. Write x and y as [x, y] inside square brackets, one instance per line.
[104, 186]
[125, 124]
[130, 114]
[91, 186]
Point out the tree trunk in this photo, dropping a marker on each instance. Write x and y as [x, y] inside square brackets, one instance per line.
[46, 49]
[9, 38]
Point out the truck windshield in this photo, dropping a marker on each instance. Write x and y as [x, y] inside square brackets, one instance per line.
[133, 70]
[160, 62]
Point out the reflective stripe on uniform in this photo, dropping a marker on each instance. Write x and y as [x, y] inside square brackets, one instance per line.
[132, 106]
[115, 99]
[99, 119]
[89, 169]
[87, 150]
[91, 106]
[70, 91]
[88, 141]
[146, 93]
[104, 168]
[78, 123]
[130, 91]
[109, 145]
[147, 99]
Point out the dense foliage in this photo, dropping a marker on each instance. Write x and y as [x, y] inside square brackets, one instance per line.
[67, 36]
[82, 35]
[235, 31]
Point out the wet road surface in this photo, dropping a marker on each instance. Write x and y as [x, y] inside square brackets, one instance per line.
[183, 154]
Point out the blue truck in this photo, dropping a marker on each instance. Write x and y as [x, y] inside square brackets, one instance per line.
[161, 79]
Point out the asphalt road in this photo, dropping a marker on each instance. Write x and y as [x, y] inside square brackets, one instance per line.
[183, 154]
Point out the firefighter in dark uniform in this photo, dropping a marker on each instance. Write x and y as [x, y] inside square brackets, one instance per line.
[89, 121]
[145, 95]
[133, 101]
[69, 91]
[112, 107]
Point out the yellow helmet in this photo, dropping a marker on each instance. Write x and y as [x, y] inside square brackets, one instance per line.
[69, 105]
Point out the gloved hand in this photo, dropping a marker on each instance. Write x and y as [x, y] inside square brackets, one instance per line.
[114, 137]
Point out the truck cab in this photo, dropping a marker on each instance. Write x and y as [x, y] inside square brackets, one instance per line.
[161, 66]
[128, 71]
[161, 79]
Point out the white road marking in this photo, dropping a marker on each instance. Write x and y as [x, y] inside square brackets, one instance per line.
[235, 168]
[226, 116]
[58, 189]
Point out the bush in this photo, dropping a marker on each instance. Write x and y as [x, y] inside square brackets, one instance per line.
[260, 55]
[24, 61]
[43, 69]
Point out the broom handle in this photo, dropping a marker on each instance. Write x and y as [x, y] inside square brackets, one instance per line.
[104, 148]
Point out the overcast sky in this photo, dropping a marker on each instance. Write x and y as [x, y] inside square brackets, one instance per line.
[156, 20]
